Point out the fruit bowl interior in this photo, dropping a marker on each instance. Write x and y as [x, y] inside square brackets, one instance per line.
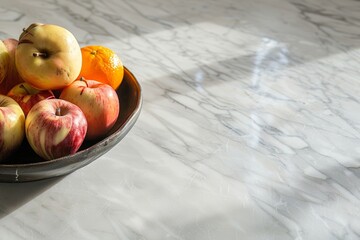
[25, 165]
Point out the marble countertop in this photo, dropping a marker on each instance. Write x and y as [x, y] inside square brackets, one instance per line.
[250, 126]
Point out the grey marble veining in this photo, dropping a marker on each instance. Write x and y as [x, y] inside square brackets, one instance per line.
[250, 127]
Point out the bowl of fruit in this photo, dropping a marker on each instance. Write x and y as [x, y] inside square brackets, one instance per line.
[62, 106]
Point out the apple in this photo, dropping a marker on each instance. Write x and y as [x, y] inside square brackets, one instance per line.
[27, 96]
[98, 101]
[48, 56]
[55, 128]
[4, 60]
[12, 76]
[12, 123]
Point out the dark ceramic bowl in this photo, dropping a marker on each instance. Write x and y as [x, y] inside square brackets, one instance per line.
[25, 165]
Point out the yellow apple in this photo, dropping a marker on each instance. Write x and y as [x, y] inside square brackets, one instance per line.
[12, 77]
[48, 56]
[4, 61]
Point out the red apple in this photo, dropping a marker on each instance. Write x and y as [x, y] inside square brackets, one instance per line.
[98, 101]
[27, 96]
[12, 76]
[55, 128]
[12, 121]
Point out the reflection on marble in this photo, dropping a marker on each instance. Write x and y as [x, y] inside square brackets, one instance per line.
[250, 125]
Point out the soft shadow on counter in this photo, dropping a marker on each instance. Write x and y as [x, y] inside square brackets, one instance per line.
[15, 195]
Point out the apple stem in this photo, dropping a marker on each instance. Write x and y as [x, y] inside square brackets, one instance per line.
[37, 54]
[58, 112]
[87, 85]
[23, 87]
[83, 79]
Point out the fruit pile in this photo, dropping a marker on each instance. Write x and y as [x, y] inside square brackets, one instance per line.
[54, 93]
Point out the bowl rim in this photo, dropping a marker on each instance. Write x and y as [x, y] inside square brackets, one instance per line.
[132, 117]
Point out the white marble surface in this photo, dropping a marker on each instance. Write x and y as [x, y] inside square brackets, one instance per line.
[250, 125]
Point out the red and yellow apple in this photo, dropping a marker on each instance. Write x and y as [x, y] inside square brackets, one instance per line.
[55, 128]
[27, 96]
[48, 56]
[12, 76]
[98, 101]
[12, 121]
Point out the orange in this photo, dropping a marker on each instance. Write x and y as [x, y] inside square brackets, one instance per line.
[101, 64]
